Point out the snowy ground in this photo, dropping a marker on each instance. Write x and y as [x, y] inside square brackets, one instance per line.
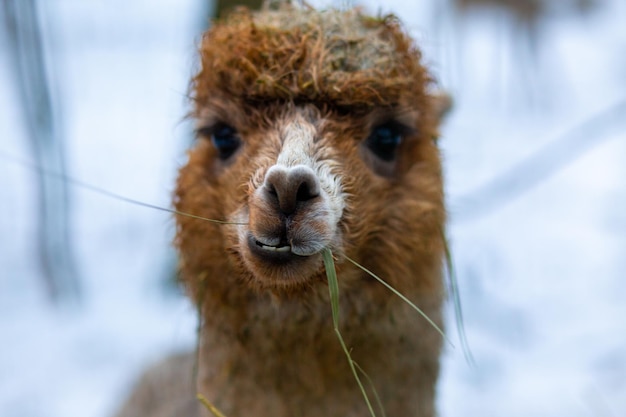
[540, 271]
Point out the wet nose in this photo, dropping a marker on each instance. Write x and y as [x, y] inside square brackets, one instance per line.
[291, 187]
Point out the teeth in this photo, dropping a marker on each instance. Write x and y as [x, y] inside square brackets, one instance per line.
[286, 248]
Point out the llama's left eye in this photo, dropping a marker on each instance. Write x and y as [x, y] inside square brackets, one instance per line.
[384, 141]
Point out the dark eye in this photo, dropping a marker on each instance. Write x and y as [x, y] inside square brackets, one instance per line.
[384, 141]
[224, 138]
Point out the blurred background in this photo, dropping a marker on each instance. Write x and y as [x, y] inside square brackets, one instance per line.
[93, 98]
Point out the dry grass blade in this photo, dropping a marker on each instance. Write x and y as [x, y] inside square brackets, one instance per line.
[371, 383]
[104, 192]
[456, 299]
[209, 406]
[406, 300]
[333, 288]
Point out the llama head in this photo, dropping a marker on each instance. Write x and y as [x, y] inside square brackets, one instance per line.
[316, 129]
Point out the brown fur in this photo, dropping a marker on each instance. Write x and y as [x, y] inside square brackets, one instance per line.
[267, 347]
[167, 389]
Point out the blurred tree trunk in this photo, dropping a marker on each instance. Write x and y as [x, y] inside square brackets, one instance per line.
[222, 6]
[26, 49]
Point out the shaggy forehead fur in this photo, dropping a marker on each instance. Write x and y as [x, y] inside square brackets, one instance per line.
[333, 57]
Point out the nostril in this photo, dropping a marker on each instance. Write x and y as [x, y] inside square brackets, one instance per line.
[304, 192]
[289, 187]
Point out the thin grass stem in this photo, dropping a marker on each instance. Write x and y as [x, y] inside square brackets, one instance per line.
[456, 300]
[371, 384]
[209, 406]
[406, 300]
[107, 193]
[333, 288]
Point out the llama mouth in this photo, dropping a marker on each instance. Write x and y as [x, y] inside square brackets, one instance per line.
[281, 252]
[284, 248]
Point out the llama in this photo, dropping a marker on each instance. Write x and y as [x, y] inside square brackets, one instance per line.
[317, 129]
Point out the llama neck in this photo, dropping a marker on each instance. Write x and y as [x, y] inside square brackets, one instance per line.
[288, 353]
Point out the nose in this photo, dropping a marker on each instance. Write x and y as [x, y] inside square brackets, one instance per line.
[290, 187]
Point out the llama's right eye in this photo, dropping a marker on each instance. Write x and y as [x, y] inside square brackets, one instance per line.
[225, 139]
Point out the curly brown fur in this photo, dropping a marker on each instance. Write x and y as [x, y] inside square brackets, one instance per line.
[343, 58]
[303, 90]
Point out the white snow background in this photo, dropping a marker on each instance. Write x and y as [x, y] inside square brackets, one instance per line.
[541, 271]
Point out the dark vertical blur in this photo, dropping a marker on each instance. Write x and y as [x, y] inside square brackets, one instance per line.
[40, 118]
[527, 21]
[527, 18]
[223, 6]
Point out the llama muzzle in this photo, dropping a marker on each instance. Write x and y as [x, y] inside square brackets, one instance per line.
[294, 210]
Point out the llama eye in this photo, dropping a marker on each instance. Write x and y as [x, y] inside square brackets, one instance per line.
[224, 138]
[384, 141]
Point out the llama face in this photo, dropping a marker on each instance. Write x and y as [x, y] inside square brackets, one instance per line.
[326, 141]
[295, 179]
